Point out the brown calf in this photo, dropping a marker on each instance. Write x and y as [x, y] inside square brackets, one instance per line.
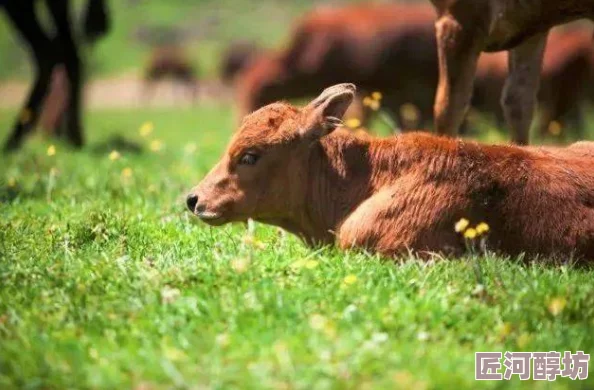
[291, 167]
[566, 75]
[465, 28]
[381, 47]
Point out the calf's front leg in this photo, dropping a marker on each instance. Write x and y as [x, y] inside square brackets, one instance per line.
[404, 217]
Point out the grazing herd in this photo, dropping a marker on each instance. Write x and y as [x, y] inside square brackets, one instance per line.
[300, 169]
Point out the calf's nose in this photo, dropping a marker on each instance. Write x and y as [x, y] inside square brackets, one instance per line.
[191, 201]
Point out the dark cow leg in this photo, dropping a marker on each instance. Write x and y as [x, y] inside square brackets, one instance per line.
[518, 98]
[22, 15]
[72, 63]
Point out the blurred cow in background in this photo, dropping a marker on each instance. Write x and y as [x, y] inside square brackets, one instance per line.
[48, 52]
[237, 57]
[170, 62]
[380, 47]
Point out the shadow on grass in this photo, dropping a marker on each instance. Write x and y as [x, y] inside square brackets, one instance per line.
[118, 143]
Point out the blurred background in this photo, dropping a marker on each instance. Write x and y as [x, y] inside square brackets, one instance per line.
[181, 53]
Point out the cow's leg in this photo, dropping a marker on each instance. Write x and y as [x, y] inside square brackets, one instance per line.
[22, 15]
[518, 98]
[403, 216]
[72, 63]
[458, 52]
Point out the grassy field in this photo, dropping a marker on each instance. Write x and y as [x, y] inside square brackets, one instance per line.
[107, 282]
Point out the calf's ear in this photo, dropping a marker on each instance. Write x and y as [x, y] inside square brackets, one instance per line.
[324, 113]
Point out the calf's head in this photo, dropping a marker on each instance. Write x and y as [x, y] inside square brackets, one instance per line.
[263, 173]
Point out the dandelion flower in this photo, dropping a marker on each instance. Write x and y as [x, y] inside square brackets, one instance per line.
[114, 155]
[311, 264]
[146, 129]
[127, 172]
[554, 128]
[51, 151]
[556, 306]
[223, 339]
[168, 294]
[156, 145]
[482, 228]
[352, 123]
[376, 95]
[374, 105]
[461, 225]
[350, 279]
[317, 321]
[410, 112]
[240, 265]
[470, 233]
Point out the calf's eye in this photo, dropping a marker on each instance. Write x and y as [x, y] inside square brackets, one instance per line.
[248, 159]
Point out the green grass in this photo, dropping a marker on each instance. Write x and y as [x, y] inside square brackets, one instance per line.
[106, 282]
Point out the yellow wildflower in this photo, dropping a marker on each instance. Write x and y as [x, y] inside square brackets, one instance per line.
[410, 112]
[556, 306]
[127, 172]
[51, 151]
[146, 129]
[114, 155]
[223, 339]
[376, 95]
[240, 265]
[374, 105]
[11, 182]
[156, 145]
[317, 321]
[311, 264]
[482, 228]
[461, 225]
[352, 123]
[523, 340]
[367, 101]
[350, 279]
[470, 233]
[555, 128]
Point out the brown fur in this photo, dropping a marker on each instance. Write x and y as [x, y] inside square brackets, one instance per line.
[465, 28]
[381, 47]
[400, 193]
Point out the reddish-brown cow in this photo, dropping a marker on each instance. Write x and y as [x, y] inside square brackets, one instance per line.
[465, 28]
[381, 47]
[293, 168]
